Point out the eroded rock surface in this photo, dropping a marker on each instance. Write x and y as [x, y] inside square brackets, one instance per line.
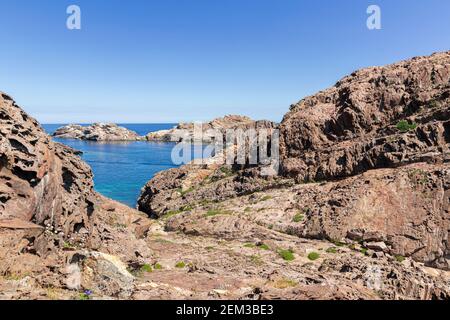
[210, 131]
[97, 132]
[375, 118]
[51, 217]
[228, 232]
[364, 187]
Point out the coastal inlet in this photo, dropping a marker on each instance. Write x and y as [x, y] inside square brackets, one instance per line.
[122, 168]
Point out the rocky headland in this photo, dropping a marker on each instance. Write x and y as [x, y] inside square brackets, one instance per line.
[209, 131]
[360, 209]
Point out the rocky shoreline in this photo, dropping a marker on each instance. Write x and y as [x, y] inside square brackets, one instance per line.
[360, 209]
[183, 132]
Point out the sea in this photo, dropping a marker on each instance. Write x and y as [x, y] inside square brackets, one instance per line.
[121, 169]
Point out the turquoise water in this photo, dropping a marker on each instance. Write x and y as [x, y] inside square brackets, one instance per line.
[121, 169]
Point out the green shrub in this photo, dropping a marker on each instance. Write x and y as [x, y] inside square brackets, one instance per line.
[180, 265]
[146, 268]
[364, 251]
[287, 255]
[264, 246]
[313, 256]
[157, 266]
[298, 217]
[400, 258]
[331, 250]
[405, 126]
[249, 245]
[265, 198]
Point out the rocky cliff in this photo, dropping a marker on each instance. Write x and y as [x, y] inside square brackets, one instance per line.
[53, 225]
[337, 224]
[97, 132]
[364, 167]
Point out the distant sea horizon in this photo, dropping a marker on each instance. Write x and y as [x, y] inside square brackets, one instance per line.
[122, 169]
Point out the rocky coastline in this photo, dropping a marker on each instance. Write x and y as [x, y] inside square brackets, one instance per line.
[360, 209]
[183, 132]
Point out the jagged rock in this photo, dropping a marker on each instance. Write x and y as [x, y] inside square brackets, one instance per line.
[352, 127]
[211, 131]
[97, 132]
[49, 210]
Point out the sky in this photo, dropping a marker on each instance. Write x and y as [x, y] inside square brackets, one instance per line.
[148, 61]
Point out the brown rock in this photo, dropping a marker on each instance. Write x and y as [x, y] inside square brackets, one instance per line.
[351, 128]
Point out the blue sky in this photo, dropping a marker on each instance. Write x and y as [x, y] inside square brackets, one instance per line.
[183, 60]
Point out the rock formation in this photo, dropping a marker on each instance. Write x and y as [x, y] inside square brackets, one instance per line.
[97, 132]
[210, 131]
[360, 211]
[52, 221]
[365, 169]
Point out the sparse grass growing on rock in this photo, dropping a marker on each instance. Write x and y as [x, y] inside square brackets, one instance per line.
[261, 246]
[338, 243]
[86, 295]
[185, 192]
[298, 217]
[256, 260]
[216, 212]
[266, 198]
[331, 250]
[418, 177]
[313, 256]
[146, 268]
[157, 266]
[287, 255]
[284, 283]
[405, 126]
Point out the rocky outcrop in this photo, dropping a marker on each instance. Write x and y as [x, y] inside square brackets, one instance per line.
[210, 131]
[51, 219]
[375, 118]
[97, 132]
[365, 167]
[354, 231]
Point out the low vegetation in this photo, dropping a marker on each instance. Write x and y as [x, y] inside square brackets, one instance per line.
[287, 255]
[261, 246]
[266, 198]
[146, 268]
[405, 126]
[180, 265]
[331, 250]
[313, 256]
[298, 217]
[284, 283]
[216, 212]
[157, 266]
